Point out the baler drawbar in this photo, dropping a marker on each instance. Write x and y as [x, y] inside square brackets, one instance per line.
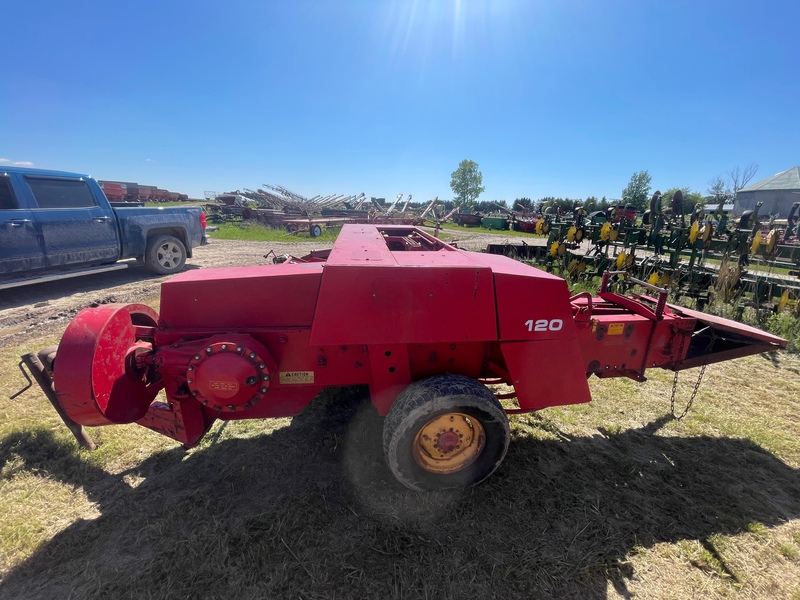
[424, 324]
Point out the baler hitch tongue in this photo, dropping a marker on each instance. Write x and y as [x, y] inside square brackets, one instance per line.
[716, 339]
[40, 365]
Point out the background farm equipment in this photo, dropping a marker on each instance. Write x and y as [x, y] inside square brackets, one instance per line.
[434, 326]
[698, 255]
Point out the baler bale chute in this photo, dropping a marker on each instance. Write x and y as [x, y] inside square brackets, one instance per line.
[424, 324]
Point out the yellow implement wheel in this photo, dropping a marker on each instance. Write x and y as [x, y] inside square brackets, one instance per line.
[784, 301]
[448, 443]
[694, 230]
[545, 228]
[572, 268]
[630, 261]
[605, 231]
[579, 234]
[621, 258]
[664, 281]
[447, 431]
[772, 241]
[572, 233]
[706, 232]
[554, 249]
[539, 225]
[653, 279]
[562, 249]
[756, 242]
[613, 234]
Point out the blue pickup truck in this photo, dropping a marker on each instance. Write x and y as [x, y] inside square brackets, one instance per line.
[55, 224]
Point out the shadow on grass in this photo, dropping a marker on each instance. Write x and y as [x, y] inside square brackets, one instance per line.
[310, 511]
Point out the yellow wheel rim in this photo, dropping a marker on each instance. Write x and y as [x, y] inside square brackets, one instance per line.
[772, 241]
[554, 249]
[539, 225]
[756, 242]
[621, 259]
[572, 233]
[613, 235]
[605, 231]
[653, 279]
[693, 231]
[573, 266]
[784, 301]
[448, 443]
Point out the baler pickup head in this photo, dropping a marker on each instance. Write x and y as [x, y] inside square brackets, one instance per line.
[716, 339]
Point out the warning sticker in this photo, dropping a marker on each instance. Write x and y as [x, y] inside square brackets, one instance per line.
[290, 377]
[616, 328]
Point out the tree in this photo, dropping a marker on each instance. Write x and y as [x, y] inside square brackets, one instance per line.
[717, 188]
[523, 204]
[466, 183]
[740, 178]
[690, 198]
[637, 191]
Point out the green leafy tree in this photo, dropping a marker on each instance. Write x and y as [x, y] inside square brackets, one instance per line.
[466, 182]
[590, 204]
[690, 199]
[637, 192]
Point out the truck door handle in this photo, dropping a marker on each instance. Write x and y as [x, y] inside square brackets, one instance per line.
[18, 222]
[101, 219]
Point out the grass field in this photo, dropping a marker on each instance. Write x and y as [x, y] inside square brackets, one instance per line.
[612, 499]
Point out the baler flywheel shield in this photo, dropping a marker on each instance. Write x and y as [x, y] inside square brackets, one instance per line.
[96, 369]
[448, 443]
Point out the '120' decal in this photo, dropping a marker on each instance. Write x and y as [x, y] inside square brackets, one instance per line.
[544, 325]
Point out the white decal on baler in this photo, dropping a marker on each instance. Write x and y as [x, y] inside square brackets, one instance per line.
[544, 325]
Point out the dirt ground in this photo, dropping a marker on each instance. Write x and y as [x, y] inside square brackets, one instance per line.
[42, 310]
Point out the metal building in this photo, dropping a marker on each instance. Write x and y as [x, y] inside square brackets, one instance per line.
[778, 193]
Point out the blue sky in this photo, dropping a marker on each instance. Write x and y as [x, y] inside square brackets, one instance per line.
[562, 98]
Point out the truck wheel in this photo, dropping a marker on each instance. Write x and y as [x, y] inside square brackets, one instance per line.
[315, 231]
[165, 255]
[447, 431]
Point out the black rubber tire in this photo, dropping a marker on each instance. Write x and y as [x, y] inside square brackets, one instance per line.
[315, 231]
[165, 255]
[418, 404]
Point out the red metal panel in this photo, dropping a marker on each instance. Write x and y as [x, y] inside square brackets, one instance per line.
[385, 305]
[371, 295]
[546, 373]
[239, 297]
[614, 345]
[531, 304]
[723, 325]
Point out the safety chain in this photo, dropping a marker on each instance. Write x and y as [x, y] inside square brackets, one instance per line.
[691, 398]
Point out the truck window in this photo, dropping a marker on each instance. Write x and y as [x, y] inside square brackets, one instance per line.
[61, 193]
[7, 199]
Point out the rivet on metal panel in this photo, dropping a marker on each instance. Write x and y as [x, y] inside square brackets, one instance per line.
[208, 350]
